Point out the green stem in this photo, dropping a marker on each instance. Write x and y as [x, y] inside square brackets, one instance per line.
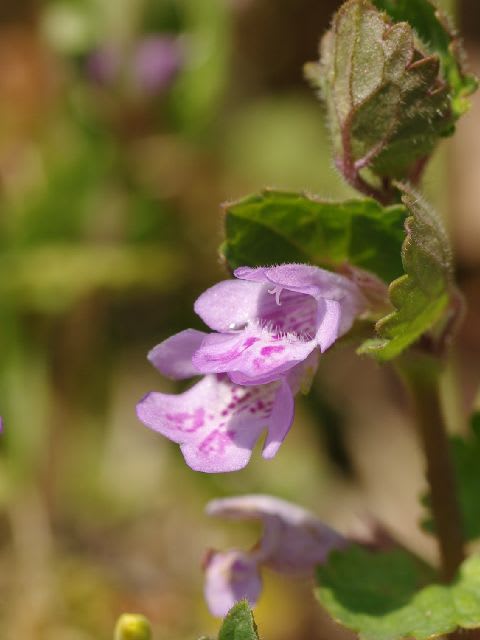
[423, 381]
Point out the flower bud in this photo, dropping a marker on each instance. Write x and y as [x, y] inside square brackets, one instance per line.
[133, 626]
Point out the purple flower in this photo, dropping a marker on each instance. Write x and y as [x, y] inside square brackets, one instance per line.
[156, 62]
[270, 319]
[271, 324]
[293, 542]
[151, 67]
[104, 65]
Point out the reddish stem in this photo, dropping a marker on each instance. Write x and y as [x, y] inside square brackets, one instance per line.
[423, 381]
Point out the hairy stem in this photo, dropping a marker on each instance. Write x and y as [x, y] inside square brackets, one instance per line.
[423, 381]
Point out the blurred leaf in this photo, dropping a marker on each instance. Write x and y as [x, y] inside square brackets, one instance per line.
[51, 278]
[274, 227]
[279, 140]
[436, 31]
[165, 16]
[329, 425]
[465, 454]
[239, 624]
[196, 94]
[387, 596]
[421, 296]
[60, 202]
[387, 103]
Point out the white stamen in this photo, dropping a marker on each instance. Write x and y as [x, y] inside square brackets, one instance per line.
[277, 291]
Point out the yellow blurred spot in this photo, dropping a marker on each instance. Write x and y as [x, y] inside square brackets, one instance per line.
[133, 626]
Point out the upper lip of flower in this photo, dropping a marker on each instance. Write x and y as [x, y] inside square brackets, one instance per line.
[320, 306]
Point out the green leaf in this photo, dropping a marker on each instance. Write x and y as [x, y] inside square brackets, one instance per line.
[437, 32]
[275, 227]
[387, 103]
[421, 296]
[465, 454]
[239, 624]
[390, 595]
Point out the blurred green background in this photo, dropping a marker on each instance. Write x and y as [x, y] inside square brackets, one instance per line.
[123, 126]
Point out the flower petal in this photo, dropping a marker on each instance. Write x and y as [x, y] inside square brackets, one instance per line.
[257, 355]
[252, 274]
[173, 357]
[256, 507]
[284, 311]
[216, 422]
[293, 540]
[281, 421]
[229, 578]
[329, 318]
[313, 281]
[229, 305]
[297, 548]
[300, 378]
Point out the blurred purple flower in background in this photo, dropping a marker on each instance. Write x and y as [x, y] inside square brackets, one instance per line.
[103, 65]
[270, 325]
[293, 542]
[151, 66]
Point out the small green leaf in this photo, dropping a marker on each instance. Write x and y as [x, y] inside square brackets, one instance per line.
[239, 624]
[466, 457]
[435, 29]
[133, 626]
[275, 227]
[391, 596]
[422, 295]
[387, 102]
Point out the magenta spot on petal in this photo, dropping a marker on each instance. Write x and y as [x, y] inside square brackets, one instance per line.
[250, 341]
[258, 363]
[187, 422]
[215, 443]
[268, 351]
